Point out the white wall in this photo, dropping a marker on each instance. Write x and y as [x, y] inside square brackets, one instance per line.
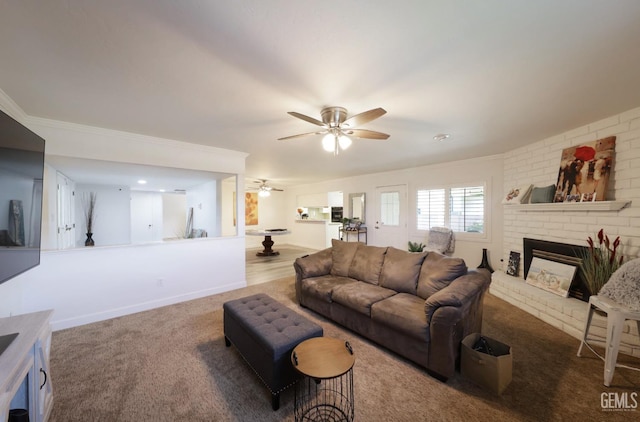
[92, 284]
[112, 223]
[204, 200]
[123, 276]
[486, 170]
[539, 163]
[174, 215]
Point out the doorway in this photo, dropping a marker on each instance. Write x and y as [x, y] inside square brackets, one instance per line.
[391, 216]
[66, 230]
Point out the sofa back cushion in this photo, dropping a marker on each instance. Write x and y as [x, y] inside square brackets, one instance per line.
[437, 272]
[342, 254]
[367, 263]
[401, 269]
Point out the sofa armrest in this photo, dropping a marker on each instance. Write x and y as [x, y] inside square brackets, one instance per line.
[314, 265]
[460, 293]
[452, 313]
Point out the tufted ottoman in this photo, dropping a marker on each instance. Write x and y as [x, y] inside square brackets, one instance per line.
[265, 332]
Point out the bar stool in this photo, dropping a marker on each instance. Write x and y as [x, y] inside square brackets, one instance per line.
[617, 314]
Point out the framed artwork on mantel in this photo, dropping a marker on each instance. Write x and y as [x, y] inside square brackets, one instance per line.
[584, 171]
[513, 266]
[552, 276]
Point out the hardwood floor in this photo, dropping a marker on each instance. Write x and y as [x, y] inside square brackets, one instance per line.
[260, 269]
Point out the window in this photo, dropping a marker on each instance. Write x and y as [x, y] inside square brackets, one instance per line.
[390, 208]
[459, 208]
[430, 204]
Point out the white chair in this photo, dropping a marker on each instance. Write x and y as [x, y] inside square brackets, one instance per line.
[616, 316]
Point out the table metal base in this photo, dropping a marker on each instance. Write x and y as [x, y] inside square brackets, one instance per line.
[325, 400]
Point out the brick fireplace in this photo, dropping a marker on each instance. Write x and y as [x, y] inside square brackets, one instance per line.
[567, 314]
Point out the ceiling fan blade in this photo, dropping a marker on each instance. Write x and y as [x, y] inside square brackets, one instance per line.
[301, 135]
[365, 117]
[278, 190]
[307, 118]
[367, 134]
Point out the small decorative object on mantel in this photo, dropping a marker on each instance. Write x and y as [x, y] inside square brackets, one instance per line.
[89, 208]
[485, 261]
[514, 264]
[600, 261]
[518, 195]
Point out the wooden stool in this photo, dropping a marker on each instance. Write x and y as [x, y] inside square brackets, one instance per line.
[616, 316]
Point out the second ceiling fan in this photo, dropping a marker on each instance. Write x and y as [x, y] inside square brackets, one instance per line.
[338, 129]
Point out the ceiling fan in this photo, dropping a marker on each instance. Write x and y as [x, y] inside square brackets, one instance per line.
[263, 188]
[338, 130]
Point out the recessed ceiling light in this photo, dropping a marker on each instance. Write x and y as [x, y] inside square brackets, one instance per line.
[142, 182]
[441, 136]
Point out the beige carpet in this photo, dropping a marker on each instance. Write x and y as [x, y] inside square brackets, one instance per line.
[170, 364]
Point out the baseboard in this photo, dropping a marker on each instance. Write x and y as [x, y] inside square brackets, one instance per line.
[140, 307]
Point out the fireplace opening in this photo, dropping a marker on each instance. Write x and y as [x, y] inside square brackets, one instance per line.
[559, 252]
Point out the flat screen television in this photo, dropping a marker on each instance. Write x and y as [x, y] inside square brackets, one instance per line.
[21, 173]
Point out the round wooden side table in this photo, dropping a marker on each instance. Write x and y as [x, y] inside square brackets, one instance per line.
[325, 393]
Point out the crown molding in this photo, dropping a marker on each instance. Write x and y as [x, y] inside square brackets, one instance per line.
[11, 108]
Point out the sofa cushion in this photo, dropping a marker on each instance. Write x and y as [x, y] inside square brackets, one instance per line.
[342, 254]
[403, 312]
[401, 269]
[437, 272]
[359, 296]
[367, 263]
[322, 287]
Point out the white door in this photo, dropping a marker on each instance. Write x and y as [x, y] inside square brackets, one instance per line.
[65, 207]
[146, 217]
[391, 216]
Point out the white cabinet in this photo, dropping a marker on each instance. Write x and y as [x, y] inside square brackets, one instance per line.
[333, 232]
[25, 379]
[335, 199]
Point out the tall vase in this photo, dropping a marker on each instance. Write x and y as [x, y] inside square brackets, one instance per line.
[89, 241]
[485, 261]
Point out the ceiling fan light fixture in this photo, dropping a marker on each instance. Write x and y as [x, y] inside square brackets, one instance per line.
[344, 141]
[329, 142]
[263, 193]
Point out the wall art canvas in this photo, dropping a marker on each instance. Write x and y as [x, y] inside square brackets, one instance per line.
[513, 266]
[552, 276]
[251, 208]
[585, 170]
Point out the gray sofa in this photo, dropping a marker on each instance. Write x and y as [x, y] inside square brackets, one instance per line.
[419, 305]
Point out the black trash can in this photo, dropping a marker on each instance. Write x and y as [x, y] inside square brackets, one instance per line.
[18, 415]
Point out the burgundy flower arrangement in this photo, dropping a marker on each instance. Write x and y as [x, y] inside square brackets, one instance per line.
[600, 261]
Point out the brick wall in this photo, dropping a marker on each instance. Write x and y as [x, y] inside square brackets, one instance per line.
[539, 163]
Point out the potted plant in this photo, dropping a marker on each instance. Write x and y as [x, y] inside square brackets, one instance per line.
[599, 261]
[416, 247]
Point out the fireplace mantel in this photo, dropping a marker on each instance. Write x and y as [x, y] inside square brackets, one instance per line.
[572, 206]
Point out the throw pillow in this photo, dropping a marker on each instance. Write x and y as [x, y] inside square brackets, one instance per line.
[401, 269]
[543, 195]
[623, 286]
[342, 254]
[367, 263]
[518, 195]
[437, 272]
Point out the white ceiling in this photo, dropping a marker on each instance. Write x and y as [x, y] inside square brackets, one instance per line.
[495, 74]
